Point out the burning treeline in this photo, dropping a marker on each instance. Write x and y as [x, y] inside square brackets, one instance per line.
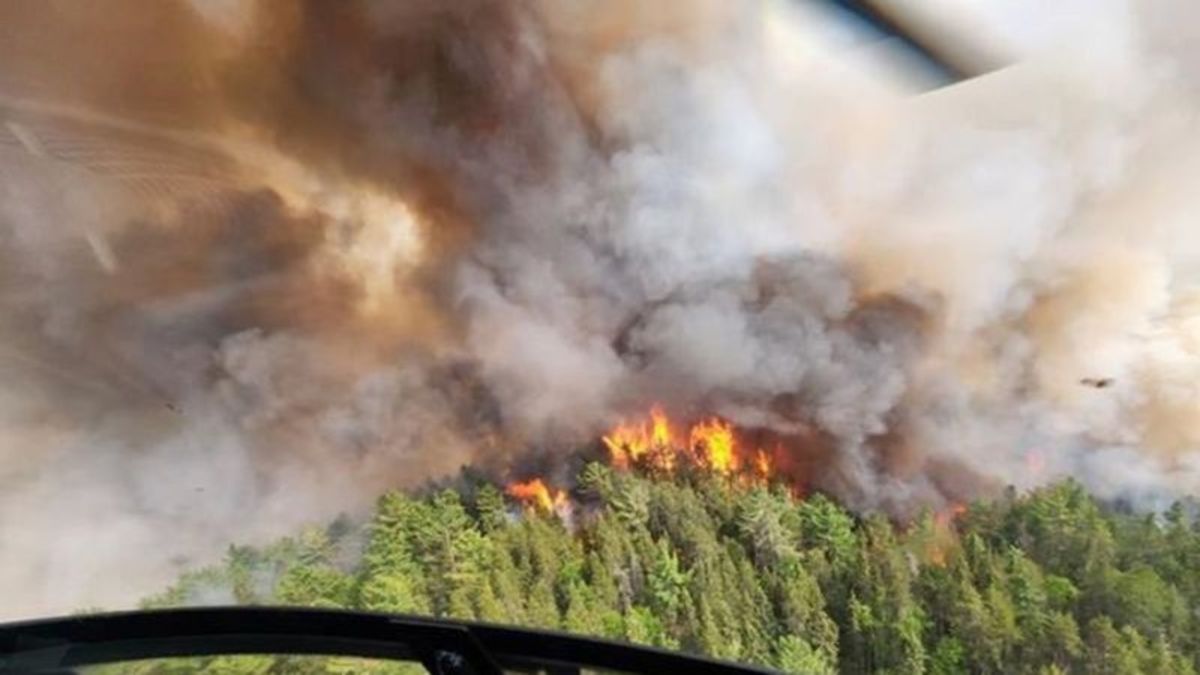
[264, 260]
[709, 443]
[712, 450]
[659, 447]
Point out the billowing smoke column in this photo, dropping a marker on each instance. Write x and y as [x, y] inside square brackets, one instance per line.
[261, 261]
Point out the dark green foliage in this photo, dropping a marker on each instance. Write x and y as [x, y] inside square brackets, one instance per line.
[1048, 582]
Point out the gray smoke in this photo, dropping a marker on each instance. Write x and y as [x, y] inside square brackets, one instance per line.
[312, 251]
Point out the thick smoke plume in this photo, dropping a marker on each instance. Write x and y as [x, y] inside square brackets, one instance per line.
[263, 260]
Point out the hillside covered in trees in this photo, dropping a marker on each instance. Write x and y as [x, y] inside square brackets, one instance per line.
[1048, 582]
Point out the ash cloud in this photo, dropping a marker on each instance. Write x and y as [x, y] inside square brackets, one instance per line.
[262, 261]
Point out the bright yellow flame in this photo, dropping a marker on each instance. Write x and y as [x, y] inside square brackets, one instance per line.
[709, 444]
[624, 445]
[660, 434]
[629, 443]
[715, 437]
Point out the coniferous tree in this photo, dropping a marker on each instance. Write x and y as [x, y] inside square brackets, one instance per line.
[1044, 583]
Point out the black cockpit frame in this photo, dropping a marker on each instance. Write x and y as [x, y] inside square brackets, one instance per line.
[444, 647]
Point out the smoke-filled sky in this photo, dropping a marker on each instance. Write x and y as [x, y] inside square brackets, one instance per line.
[260, 261]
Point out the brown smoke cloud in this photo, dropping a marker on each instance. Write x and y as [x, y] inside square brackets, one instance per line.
[260, 261]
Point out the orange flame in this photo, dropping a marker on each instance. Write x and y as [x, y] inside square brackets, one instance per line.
[535, 493]
[655, 443]
[716, 439]
[628, 443]
[660, 429]
[947, 516]
[943, 535]
[710, 444]
[762, 464]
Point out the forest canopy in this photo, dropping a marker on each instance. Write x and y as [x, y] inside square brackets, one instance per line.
[1052, 581]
